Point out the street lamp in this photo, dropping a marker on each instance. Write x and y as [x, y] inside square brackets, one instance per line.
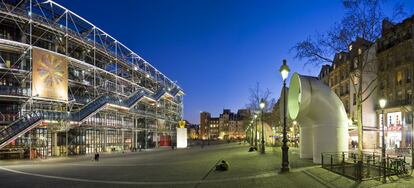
[262, 106]
[382, 103]
[284, 71]
[255, 132]
[251, 133]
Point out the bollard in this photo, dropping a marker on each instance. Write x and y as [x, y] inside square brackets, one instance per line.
[343, 163]
[331, 162]
[359, 170]
[354, 156]
[343, 157]
[368, 166]
[379, 170]
[322, 159]
[388, 162]
[373, 159]
[387, 166]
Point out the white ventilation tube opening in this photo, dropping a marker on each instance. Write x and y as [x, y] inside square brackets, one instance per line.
[321, 116]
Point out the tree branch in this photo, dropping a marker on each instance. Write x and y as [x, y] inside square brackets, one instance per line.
[369, 85]
[370, 93]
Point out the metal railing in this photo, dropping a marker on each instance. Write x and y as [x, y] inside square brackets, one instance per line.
[369, 166]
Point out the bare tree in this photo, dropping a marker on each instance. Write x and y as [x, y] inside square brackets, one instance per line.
[363, 18]
[256, 94]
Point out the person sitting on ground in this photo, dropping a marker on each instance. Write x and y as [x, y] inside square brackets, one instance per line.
[251, 149]
[223, 166]
[96, 156]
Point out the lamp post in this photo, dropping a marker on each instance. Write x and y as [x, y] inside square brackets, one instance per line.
[262, 106]
[251, 133]
[382, 103]
[294, 132]
[412, 140]
[255, 132]
[284, 71]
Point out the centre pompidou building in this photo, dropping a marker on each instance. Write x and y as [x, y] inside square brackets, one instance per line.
[69, 88]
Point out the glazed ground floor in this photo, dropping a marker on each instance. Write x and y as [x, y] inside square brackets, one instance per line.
[45, 142]
[394, 139]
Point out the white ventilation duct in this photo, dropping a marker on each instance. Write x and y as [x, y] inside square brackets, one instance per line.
[321, 117]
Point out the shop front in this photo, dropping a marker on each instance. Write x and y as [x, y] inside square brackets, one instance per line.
[395, 130]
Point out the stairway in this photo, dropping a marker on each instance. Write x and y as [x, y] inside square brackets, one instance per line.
[31, 120]
[19, 127]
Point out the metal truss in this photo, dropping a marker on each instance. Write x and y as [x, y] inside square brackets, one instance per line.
[104, 65]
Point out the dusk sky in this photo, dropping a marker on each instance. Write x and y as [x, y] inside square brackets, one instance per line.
[215, 49]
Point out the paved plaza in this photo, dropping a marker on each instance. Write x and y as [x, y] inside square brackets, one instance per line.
[177, 168]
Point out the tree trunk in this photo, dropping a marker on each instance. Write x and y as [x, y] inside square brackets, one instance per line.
[359, 114]
[360, 131]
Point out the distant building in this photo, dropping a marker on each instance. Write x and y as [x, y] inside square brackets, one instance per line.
[204, 124]
[228, 126]
[214, 130]
[193, 131]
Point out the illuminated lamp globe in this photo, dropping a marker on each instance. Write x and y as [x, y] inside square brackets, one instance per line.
[284, 70]
[382, 103]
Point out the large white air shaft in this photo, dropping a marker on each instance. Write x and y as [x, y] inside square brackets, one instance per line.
[321, 116]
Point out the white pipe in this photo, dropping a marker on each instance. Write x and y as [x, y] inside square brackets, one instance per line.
[321, 116]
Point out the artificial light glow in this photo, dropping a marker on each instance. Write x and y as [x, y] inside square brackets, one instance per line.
[382, 103]
[262, 104]
[284, 70]
[284, 74]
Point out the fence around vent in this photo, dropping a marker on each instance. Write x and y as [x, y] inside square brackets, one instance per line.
[369, 167]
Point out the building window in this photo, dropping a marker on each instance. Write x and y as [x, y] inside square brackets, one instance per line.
[355, 63]
[399, 78]
[409, 95]
[399, 95]
[354, 99]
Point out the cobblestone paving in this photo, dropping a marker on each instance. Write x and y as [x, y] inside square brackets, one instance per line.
[177, 168]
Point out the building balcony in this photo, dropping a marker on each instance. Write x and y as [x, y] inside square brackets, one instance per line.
[13, 90]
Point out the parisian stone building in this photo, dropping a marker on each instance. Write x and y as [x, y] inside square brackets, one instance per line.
[391, 59]
[227, 126]
[395, 53]
[342, 77]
